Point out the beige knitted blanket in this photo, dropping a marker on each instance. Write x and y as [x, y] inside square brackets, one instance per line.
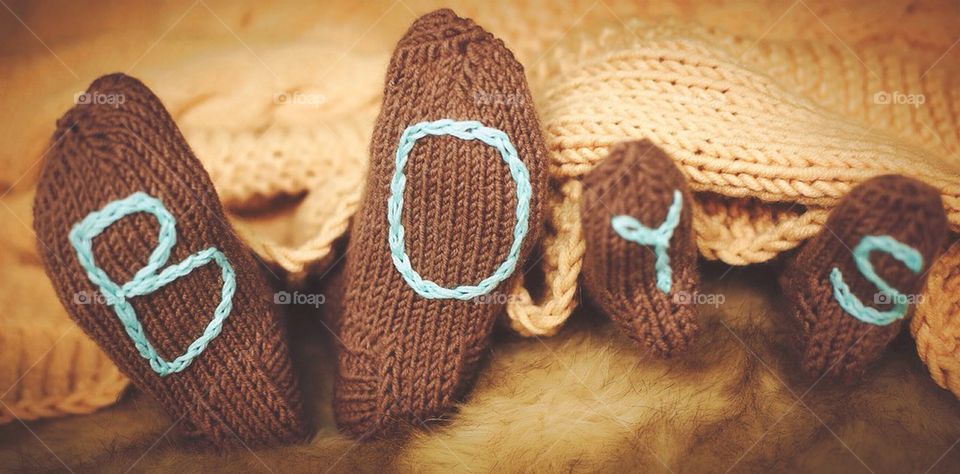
[772, 111]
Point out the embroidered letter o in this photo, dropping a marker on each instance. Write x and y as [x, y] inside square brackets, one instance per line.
[464, 130]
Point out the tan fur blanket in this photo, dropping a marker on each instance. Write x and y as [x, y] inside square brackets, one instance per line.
[581, 401]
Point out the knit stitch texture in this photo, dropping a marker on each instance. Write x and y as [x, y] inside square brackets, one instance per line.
[291, 174]
[936, 324]
[639, 181]
[886, 294]
[687, 91]
[241, 389]
[151, 277]
[799, 71]
[464, 130]
[832, 341]
[406, 359]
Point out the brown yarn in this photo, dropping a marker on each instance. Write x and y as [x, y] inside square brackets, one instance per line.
[407, 359]
[638, 179]
[833, 342]
[241, 389]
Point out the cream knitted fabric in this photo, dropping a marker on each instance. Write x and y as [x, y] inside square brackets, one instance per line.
[48, 366]
[321, 168]
[767, 164]
[52, 369]
[291, 172]
[936, 324]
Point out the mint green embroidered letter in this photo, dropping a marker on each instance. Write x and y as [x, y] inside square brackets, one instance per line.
[659, 238]
[151, 277]
[861, 256]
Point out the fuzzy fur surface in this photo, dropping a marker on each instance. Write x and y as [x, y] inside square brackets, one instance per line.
[585, 400]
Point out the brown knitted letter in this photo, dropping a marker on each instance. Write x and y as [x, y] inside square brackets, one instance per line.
[832, 340]
[241, 389]
[639, 180]
[408, 358]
